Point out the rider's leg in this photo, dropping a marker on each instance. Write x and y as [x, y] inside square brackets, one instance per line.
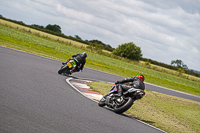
[121, 88]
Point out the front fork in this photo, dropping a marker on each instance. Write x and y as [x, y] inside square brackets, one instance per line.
[112, 101]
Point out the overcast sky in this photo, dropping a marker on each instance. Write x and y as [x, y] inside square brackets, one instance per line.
[165, 30]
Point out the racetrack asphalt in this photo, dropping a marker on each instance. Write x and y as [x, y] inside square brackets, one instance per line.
[35, 99]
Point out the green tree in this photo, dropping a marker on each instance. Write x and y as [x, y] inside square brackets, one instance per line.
[128, 50]
[179, 64]
[39, 26]
[77, 37]
[55, 28]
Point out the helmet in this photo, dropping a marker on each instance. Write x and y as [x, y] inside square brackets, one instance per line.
[141, 77]
[84, 54]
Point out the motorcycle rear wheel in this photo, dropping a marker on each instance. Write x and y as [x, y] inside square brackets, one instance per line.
[124, 107]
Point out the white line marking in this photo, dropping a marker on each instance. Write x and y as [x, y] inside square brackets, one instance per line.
[67, 80]
[172, 90]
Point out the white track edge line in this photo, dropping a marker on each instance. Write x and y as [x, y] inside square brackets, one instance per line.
[67, 80]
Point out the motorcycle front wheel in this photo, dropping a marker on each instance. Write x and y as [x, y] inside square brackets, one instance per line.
[127, 103]
[62, 69]
[102, 102]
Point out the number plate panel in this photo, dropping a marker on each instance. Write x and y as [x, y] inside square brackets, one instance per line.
[69, 64]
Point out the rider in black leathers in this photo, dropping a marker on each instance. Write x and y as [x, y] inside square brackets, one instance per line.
[80, 60]
[133, 82]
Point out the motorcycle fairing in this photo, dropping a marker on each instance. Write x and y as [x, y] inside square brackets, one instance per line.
[71, 64]
[113, 89]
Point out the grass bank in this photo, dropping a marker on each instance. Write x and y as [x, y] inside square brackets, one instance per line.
[169, 113]
[62, 50]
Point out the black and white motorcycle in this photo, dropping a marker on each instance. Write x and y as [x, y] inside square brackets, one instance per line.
[122, 103]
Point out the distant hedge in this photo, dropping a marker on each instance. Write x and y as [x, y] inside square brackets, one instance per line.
[170, 66]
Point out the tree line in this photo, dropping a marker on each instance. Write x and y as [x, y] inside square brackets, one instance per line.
[55, 27]
[95, 43]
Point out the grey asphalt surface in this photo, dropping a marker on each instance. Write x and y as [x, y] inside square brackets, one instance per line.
[34, 98]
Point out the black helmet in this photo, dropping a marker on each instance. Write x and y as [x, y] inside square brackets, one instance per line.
[84, 54]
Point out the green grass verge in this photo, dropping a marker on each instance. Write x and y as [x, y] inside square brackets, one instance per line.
[40, 33]
[169, 113]
[34, 43]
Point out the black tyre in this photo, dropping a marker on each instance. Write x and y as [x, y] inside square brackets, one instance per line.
[62, 69]
[102, 102]
[124, 107]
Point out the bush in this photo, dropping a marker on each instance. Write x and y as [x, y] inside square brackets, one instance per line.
[128, 50]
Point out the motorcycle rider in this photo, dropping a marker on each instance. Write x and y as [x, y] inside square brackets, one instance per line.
[127, 83]
[80, 60]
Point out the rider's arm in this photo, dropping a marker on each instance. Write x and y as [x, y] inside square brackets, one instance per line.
[126, 80]
[75, 55]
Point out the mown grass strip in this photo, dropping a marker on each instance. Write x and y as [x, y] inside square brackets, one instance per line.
[169, 113]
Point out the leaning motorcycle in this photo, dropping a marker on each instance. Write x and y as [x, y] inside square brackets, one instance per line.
[69, 65]
[122, 103]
